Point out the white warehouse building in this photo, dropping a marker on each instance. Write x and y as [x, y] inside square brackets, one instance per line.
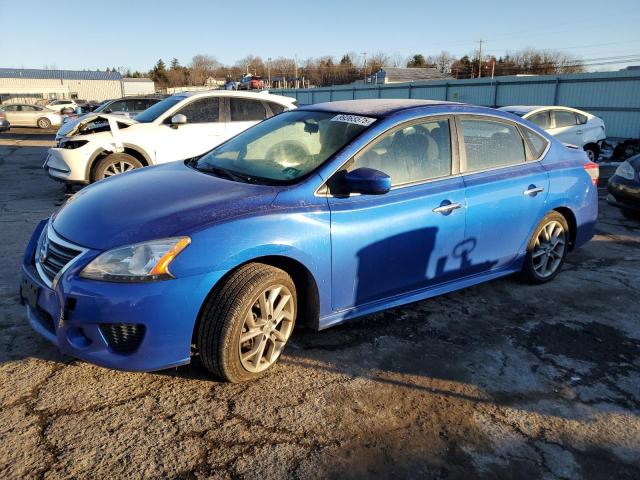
[30, 85]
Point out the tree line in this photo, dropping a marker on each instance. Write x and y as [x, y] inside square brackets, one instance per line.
[327, 70]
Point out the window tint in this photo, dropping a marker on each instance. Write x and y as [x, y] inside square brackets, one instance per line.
[564, 118]
[245, 110]
[119, 106]
[412, 154]
[582, 119]
[137, 105]
[10, 108]
[150, 102]
[28, 108]
[204, 110]
[276, 108]
[541, 119]
[491, 144]
[536, 142]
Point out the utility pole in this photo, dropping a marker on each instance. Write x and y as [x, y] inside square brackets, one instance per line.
[295, 73]
[269, 71]
[365, 66]
[480, 59]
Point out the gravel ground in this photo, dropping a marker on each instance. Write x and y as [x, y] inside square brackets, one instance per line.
[501, 380]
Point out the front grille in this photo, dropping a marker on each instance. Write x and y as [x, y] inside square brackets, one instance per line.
[54, 254]
[123, 337]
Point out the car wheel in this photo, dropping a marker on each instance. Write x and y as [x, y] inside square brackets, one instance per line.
[44, 123]
[247, 322]
[115, 164]
[547, 249]
[593, 152]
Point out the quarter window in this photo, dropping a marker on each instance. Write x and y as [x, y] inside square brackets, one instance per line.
[491, 144]
[536, 142]
[204, 110]
[276, 108]
[245, 110]
[564, 119]
[541, 119]
[412, 154]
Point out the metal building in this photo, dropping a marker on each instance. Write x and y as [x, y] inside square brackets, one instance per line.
[31, 85]
[138, 86]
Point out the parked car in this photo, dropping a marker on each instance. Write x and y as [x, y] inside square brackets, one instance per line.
[251, 82]
[24, 115]
[568, 125]
[316, 216]
[188, 124]
[623, 188]
[4, 123]
[59, 105]
[128, 107]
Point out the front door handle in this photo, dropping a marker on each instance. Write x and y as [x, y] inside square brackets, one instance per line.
[532, 191]
[446, 209]
[579, 132]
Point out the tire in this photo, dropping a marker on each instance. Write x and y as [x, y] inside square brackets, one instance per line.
[229, 312]
[113, 165]
[593, 152]
[44, 123]
[535, 270]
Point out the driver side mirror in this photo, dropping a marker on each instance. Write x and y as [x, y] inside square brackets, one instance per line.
[367, 181]
[178, 120]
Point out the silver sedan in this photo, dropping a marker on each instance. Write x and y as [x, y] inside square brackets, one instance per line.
[23, 115]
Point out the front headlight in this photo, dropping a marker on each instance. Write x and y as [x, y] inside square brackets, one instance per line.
[142, 262]
[625, 170]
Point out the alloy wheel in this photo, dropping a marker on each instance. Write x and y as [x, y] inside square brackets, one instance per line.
[549, 249]
[266, 329]
[118, 167]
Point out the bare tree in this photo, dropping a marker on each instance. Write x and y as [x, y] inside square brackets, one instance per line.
[201, 68]
[442, 61]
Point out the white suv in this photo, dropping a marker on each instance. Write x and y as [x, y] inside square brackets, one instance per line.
[59, 105]
[568, 125]
[179, 127]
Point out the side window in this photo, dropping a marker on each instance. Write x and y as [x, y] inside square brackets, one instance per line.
[276, 108]
[582, 119]
[564, 118]
[536, 142]
[541, 119]
[204, 110]
[246, 110]
[11, 108]
[28, 108]
[119, 106]
[412, 154]
[137, 105]
[491, 144]
[150, 102]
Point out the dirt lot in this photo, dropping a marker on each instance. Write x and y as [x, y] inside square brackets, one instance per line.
[501, 380]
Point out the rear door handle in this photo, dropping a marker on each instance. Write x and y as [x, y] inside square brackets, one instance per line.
[448, 208]
[579, 132]
[532, 191]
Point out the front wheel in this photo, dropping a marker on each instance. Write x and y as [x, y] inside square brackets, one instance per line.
[44, 123]
[593, 152]
[547, 249]
[115, 164]
[247, 322]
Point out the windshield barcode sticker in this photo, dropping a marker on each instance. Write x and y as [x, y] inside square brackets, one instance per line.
[357, 119]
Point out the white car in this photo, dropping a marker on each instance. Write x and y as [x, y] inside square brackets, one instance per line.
[179, 127]
[25, 115]
[568, 125]
[59, 105]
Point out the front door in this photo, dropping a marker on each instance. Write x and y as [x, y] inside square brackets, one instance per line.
[406, 239]
[505, 191]
[244, 113]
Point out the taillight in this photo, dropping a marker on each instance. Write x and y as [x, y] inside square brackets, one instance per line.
[593, 170]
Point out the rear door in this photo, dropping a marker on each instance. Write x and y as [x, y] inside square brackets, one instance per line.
[564, 126]
[13, 114]
[244, 113]
[506, 188]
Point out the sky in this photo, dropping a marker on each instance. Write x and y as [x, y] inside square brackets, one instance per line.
[134, 34]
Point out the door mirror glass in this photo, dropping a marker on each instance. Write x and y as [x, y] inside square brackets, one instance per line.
[367, 181]
[178, 120]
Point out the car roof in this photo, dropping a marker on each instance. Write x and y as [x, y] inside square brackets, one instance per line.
[264, 95]
[374, 107]
[524, 109]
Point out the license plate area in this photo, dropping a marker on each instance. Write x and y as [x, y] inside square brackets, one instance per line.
[29, 292]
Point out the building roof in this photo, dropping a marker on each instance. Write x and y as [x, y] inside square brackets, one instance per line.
[33, 73]
[396, 74]
[373, 107]
[133, 79]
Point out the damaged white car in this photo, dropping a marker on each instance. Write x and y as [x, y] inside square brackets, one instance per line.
[179, 127]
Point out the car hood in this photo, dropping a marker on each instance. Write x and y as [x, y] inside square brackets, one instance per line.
[155, 202]
[71, 128]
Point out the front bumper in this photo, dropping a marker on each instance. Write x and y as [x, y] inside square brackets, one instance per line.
[74, 313]
[68, 165]
[623, 193]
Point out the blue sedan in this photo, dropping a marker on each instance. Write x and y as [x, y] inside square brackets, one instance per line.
[315, 216]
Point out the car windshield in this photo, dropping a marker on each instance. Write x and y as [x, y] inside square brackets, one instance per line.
[153, 112]
[284, 148]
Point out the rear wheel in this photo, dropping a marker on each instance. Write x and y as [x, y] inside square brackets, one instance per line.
[547, 249]
[247, 322]
[115, 164]
[44, 123]
[593, 152]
